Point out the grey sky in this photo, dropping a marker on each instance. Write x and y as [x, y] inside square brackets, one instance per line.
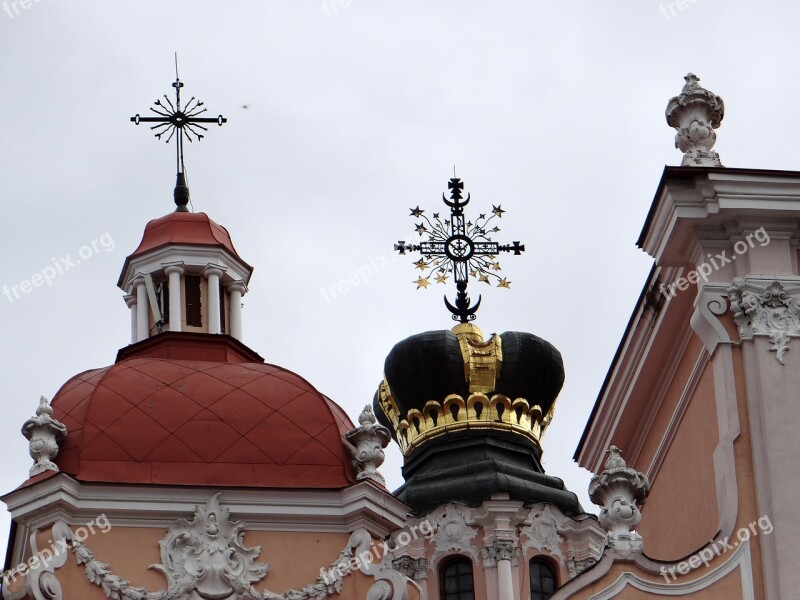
[555, 110]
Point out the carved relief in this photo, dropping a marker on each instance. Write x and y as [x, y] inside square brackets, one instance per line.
[413, 568]
[500, 550]
[766, 310]
[44, 434]
[206, 559]
[542, 533]
[575, 567]
[453, 533]
[207, 556]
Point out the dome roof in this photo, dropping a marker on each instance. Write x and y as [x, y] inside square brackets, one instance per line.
[468, 415]
[195, 229]
[174, 421]
[430, 366]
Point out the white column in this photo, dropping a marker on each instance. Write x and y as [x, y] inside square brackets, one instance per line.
[174, 273]
[502, 551]
[213, 274]
[130, 300]
[236, 289]
[505, 589]
[142, 306]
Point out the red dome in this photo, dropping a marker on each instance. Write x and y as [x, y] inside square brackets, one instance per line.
[195, 229]
[191, 422]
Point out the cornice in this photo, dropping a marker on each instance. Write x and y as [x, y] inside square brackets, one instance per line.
[361, 504]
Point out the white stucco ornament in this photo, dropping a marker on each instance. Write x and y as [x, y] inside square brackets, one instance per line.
[618, 490]
[542, 533]
[366, 444]
[500, 550]
[44, 434]
[206, 559]
[771, 310]
[453, 532]
[207, 556]
[695, 113]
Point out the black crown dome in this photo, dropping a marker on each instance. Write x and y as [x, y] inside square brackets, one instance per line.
[430, 366]
[468, 415]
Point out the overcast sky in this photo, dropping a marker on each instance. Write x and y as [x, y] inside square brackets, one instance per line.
[358, 111]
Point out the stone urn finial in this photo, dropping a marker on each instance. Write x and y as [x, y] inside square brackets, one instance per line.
[44, 434]
[695, 113]
[366, 444]
[618, 490]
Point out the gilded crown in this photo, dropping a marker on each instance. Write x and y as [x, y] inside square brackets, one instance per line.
[441, 382]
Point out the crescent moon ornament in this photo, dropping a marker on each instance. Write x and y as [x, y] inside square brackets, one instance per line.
[458, 247]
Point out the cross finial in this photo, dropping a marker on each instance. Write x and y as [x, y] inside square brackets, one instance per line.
[458, 248]
[185, 121]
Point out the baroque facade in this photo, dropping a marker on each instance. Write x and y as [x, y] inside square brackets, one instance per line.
[193, 469]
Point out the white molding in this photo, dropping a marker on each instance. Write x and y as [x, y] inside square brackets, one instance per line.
[740, 559]
[761, 477]
[711, 303]
[359, 505]
[194, 259]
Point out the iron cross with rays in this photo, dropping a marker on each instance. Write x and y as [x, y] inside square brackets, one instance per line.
[460, 249]
[175, 120]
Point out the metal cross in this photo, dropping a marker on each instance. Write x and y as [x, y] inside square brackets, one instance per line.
[458, 248]
[184, 120]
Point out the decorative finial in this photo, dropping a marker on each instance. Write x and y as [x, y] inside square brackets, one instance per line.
[44, 434]
[618, 490]
[459, 249]
[184, 120]
[695, 114]
[366, 444]
[615, 460]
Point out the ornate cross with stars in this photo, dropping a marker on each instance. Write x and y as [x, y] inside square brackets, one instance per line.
[460, 249]
[183, 120]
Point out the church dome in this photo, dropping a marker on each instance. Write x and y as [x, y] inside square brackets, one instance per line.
[469, 414]
[158, 417]
[184, 228]
[430, 366]
[438, 382]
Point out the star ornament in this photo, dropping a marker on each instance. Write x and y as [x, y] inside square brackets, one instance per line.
[416, 212]
[497, 211]
[420, 227]
[504, 283]
[422, 282]
[441, 278]
[496, 266]
[421, 264]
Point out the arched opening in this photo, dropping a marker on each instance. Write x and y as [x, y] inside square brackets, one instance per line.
[542, 578]
[455, 580]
